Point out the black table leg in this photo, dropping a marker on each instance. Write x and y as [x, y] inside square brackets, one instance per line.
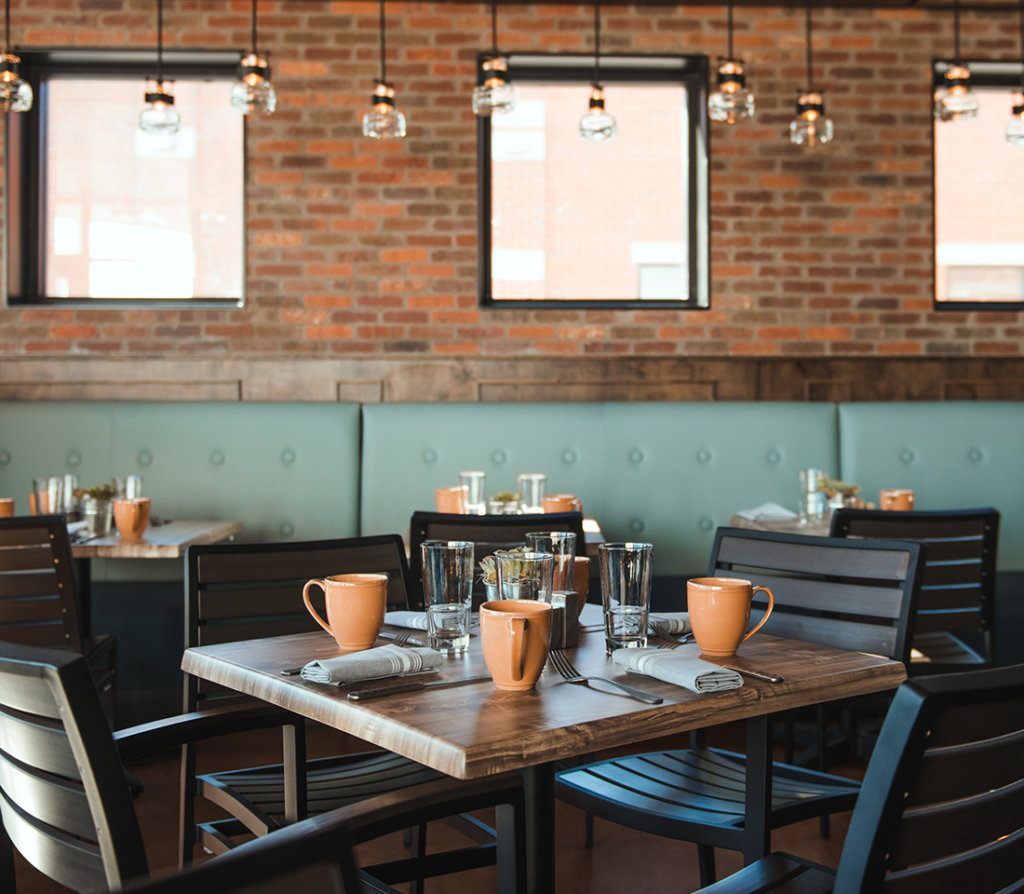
[84, 569]
[759, 788]
[539, 785]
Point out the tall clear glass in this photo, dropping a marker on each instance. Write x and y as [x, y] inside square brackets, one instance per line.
[447, 591]
[523, 574]
[562, 545]
[475, 482]
[626, 570]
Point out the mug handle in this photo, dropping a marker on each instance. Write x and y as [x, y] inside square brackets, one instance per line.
[517, 647]
[767, 614]
[309, 605]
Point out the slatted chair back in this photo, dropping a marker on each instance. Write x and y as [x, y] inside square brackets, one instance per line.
[237, 591]
[942, 804]
[38, 605]
[959, 580]
[488, 533]
[63, 795]
[857, 595]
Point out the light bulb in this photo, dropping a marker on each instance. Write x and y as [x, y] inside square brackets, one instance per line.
[597, 126]
[1015, 126]
[159, 117]
[15, 94]
[495, 96]
[383, 121]
[253, 91]
[955, 101]
[732, 101]
[811, 125]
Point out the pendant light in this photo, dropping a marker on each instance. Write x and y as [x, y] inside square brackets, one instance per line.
[253, 91]
[158, 116]
[1015, 127]
[15, 94]
[811, 125]
[597, 126]
[731, 101]
[494, 96]
[383, 121]
[954, 101]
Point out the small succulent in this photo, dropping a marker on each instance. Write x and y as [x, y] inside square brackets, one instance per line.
[99, 492]
[504, 496]
[833, 486]
[489, 566]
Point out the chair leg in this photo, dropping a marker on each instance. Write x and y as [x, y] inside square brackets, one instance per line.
[187, 834]
[706, 864]
[418, 840]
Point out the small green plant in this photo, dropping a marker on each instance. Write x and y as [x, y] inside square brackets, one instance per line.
[99, 492]
[833, 486]
[504, 496]
[489, 567]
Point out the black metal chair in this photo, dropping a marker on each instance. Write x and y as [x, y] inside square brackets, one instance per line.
[66, 806]
[942, 805]
[39, 604]
[958, 587]
[488, 533]
[857, 595]
[250, 590]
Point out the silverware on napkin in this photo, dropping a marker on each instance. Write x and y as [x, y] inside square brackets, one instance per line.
[411, 686]
[756, 675]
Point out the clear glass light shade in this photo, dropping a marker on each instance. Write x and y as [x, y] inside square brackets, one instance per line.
[384, 121]
[955, 101]
[597, 126]
[1015, 126]
[15, 94]
[811, 126]
[158, 116]
[253, 93]
[731, 101]
[495, 96]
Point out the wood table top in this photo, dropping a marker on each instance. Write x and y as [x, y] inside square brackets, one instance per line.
[476, 730]
[818, 528]
[166, 541]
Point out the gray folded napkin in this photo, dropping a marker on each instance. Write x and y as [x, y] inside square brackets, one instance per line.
[372, 664]
[673, 623]
[416, 620]
[674, 667]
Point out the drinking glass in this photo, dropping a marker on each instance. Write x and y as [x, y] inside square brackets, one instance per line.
[523, 574]
[812, 501]
[562, 545]
[129, 487]
[448, 591]
[531, 491]
[475, 482]
[625, 593]
[49, 493]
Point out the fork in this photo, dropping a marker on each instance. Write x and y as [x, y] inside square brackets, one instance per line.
[401, 638]
[568, 672]
[669, 641]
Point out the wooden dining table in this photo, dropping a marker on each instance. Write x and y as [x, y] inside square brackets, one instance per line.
[475, 730]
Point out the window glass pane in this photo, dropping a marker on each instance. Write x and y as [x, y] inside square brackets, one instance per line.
[130, 215]
[979, 206]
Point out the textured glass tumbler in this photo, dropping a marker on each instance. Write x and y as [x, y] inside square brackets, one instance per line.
[447, 592]
[626, 570]
[531, 491]
[524, 575]
[562, 545]
[475, 482]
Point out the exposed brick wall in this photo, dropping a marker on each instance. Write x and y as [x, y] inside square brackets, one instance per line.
[357, 247]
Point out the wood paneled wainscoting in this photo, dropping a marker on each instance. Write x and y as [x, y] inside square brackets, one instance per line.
[386, 379]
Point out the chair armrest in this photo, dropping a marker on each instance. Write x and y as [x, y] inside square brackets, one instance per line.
[172, 732]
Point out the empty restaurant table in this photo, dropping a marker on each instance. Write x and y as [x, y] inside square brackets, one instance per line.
[476, 730]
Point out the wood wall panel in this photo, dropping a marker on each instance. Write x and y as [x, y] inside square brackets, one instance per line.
[397, 379]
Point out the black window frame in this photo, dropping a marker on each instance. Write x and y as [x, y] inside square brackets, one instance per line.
[984, 73]
[690, 71]
[25, 158]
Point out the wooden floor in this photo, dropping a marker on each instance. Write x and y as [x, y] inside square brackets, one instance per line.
[610, 866]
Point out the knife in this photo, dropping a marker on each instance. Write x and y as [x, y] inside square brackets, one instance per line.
[411, 686]
[757, 675]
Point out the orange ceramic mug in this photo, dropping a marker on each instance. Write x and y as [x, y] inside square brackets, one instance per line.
[451, 499]
[719, 609]
[515, 634]
[562, 503]
[355, 607]
[6, 507]
[896, 499]
[131, 517]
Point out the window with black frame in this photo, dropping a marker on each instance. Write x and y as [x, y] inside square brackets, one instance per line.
[569, 222]
[100, 212]
[979, 194]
